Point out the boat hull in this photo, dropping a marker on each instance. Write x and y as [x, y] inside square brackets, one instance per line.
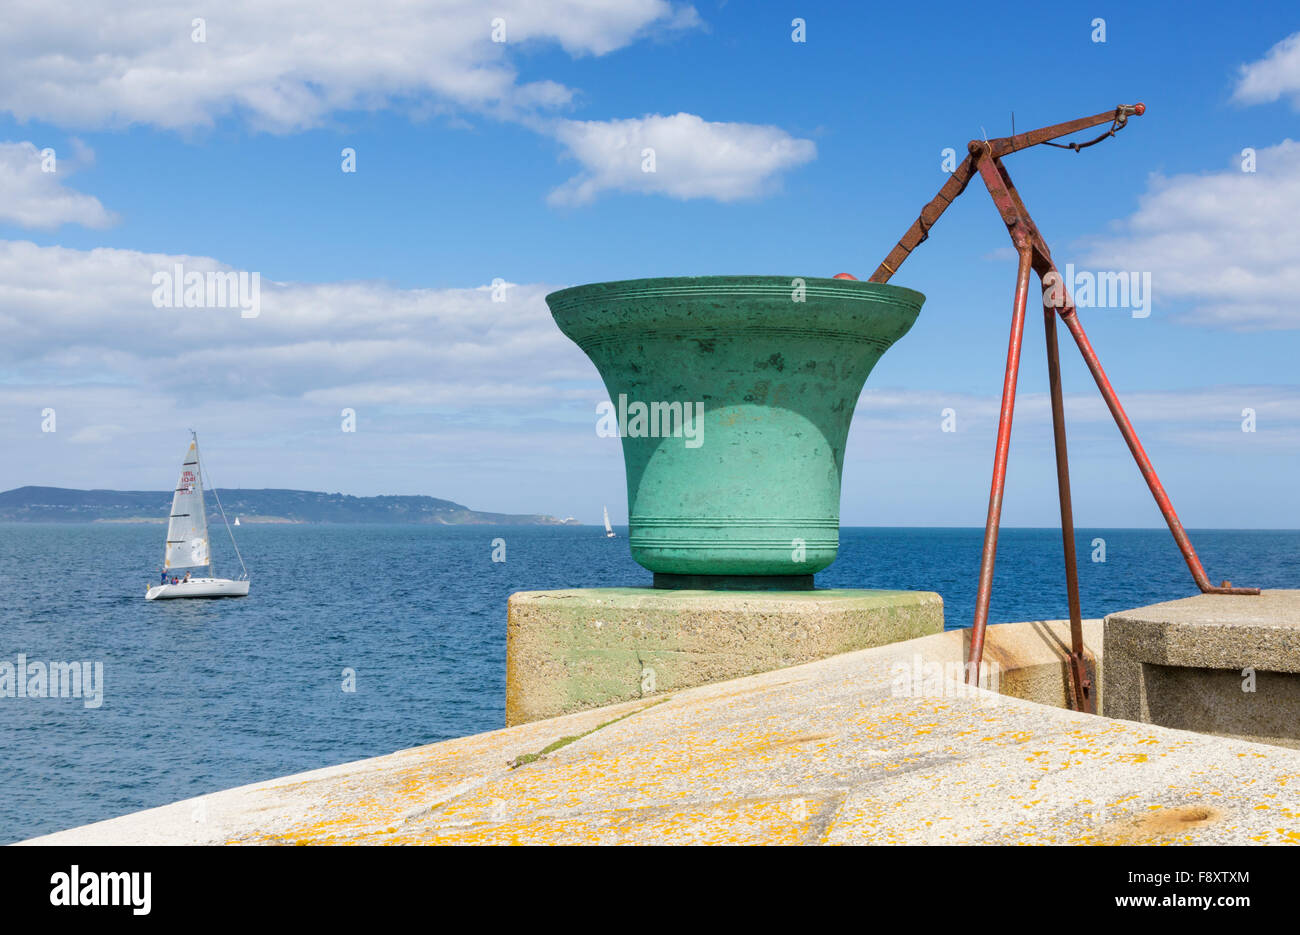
[198, 587]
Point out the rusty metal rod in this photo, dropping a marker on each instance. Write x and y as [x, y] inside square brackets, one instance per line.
[1010, 144]
[1070, 316]
[920, 229]
[981, 149]
[985, 160]
[1082, 700]
[994, 520]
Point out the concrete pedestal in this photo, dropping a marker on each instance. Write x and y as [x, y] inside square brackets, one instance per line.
[1219, 664]
[583, 648]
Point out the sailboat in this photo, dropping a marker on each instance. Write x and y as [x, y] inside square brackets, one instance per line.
[236, 520]
[609, 530]
[187, 540]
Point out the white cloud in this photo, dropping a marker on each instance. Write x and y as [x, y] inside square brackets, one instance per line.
[483, 402]
[455, 395]
[95, 434]
[288, 65]
[1276, 75]
[692, 158]
[32, 197]
[1225, 241]
[77, 316]
[1195, 406]
[293, 65]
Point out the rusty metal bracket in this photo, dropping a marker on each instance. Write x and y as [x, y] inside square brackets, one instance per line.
[985, 160]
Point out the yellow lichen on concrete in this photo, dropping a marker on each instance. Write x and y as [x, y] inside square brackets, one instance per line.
[829, 752]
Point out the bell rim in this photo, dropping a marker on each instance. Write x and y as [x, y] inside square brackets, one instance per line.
[734, 285]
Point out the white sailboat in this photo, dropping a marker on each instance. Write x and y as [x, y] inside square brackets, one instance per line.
[236, 520]
[609, 530]
[187, 541]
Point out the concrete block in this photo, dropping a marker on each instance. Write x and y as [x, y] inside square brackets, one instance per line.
[1028, 660]
[1219, 664]
[582, 648]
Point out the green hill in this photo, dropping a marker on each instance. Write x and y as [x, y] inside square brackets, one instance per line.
[63, 505]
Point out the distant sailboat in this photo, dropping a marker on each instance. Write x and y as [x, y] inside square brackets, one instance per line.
[609, 530]
[236, 520]
[187, 540]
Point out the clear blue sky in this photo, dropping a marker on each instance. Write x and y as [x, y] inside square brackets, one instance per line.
[454, 190]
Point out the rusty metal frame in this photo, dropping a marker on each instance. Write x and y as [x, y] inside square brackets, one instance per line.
[985, 160]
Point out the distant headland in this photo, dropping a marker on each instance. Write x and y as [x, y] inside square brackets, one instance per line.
[64, 505]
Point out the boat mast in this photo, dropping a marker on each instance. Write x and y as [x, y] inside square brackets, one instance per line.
[222, 509]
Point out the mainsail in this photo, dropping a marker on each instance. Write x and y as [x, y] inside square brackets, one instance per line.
[187, 531]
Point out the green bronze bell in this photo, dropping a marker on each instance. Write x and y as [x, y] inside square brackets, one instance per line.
[733, 396]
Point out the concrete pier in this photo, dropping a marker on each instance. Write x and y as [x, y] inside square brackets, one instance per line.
[1219, 664]
[871, 747]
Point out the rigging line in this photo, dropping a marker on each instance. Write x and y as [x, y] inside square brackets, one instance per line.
[217, 496]
[1121, 121]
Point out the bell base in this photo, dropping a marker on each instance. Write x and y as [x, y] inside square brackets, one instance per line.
[672, 582]
[585, 648]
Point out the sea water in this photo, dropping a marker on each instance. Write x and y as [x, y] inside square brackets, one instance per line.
[358, 640]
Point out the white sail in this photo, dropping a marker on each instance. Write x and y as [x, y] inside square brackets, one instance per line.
[187, 530]
[609, 530]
